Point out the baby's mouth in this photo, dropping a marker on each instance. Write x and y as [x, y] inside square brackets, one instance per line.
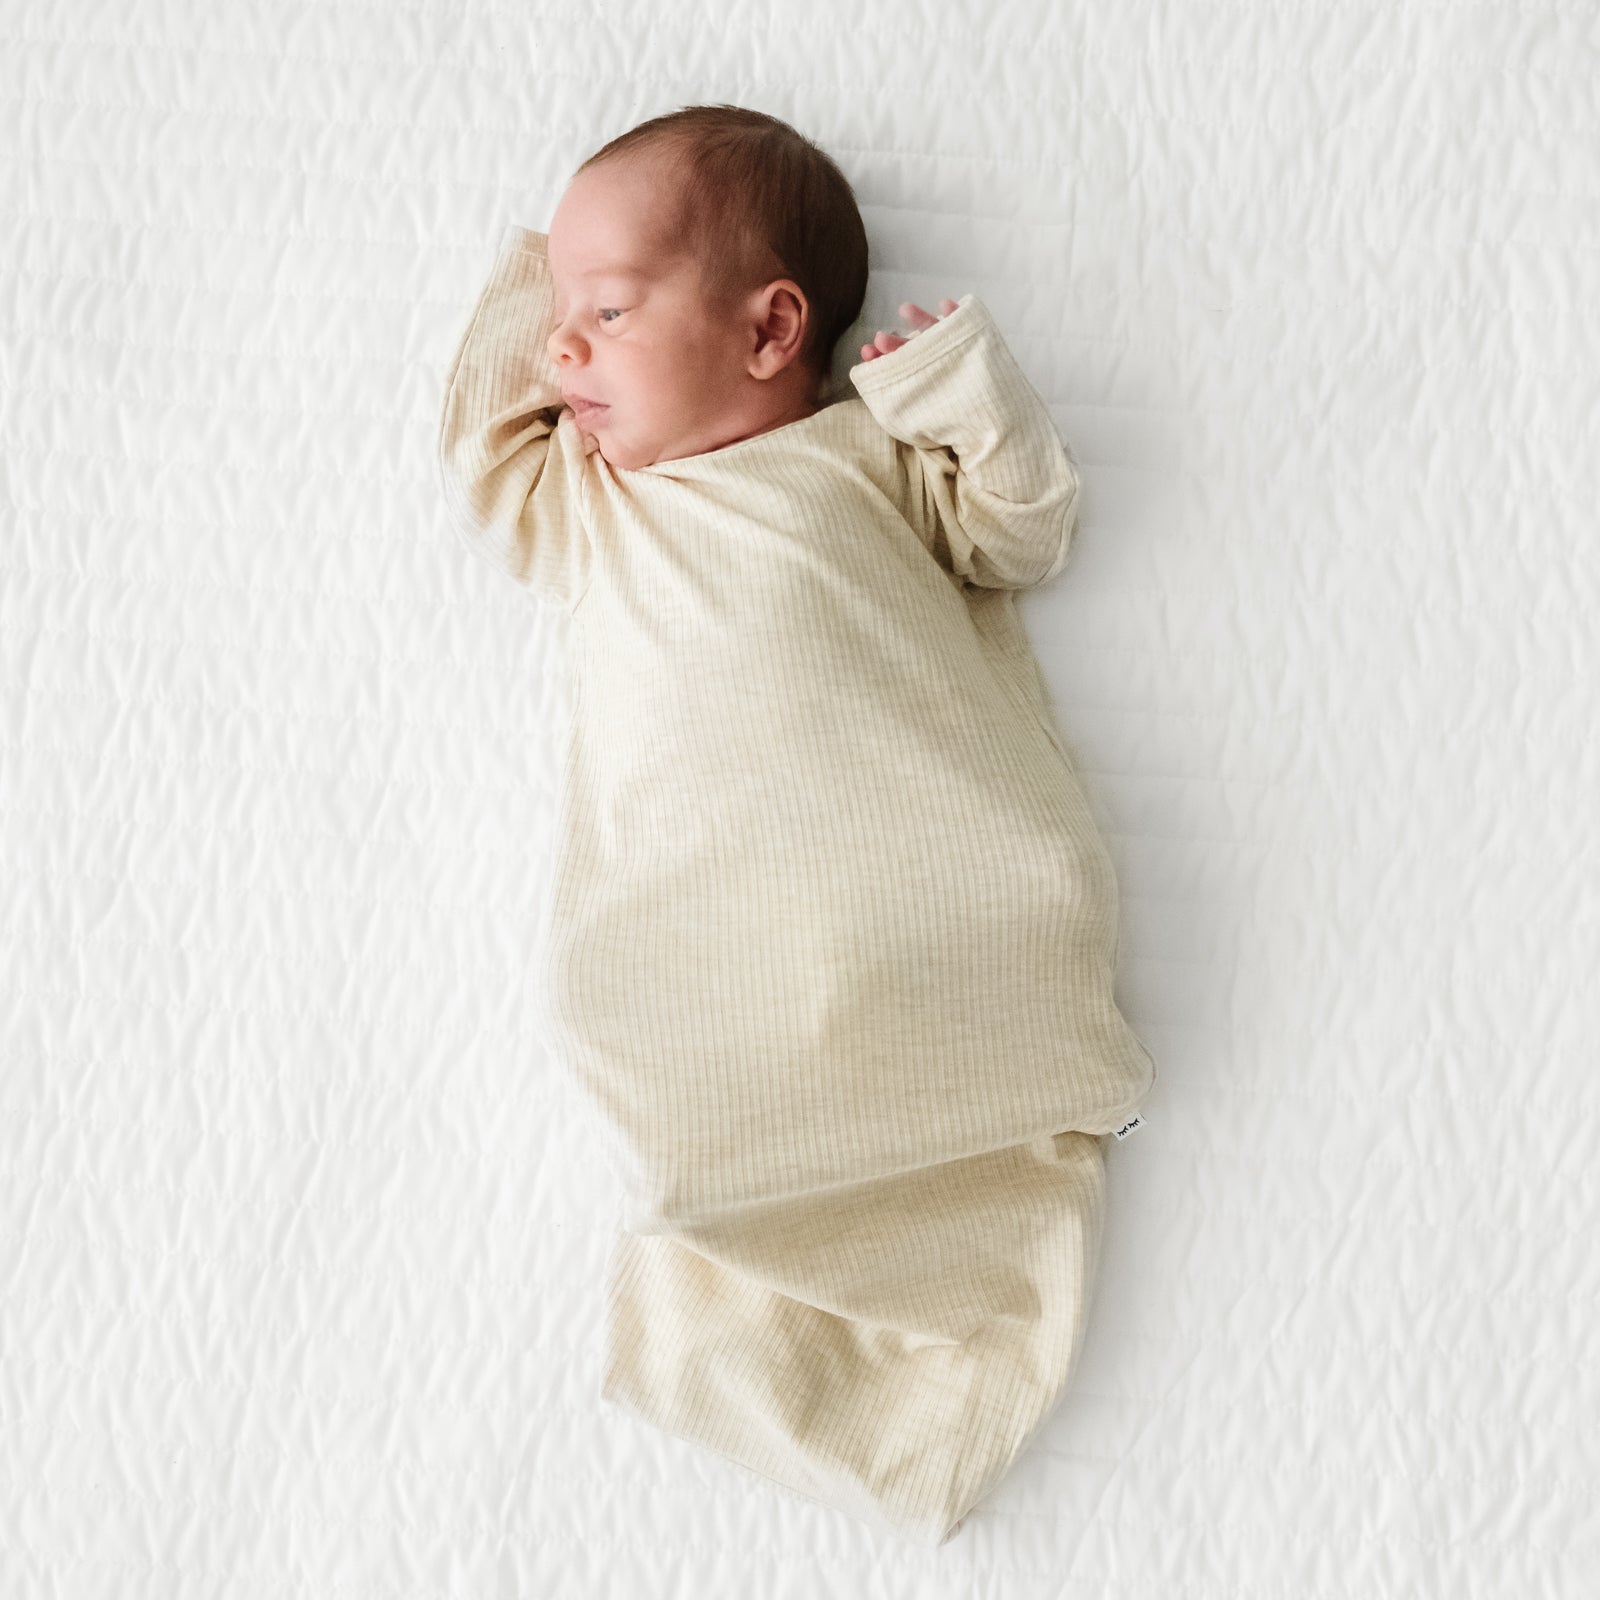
[586, 410]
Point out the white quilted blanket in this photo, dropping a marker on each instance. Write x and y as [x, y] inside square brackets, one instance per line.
[303, 1240]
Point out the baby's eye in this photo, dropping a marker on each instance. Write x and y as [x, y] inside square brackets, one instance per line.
[610, 311]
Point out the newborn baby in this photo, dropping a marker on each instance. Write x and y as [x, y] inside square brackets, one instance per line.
[832, 939]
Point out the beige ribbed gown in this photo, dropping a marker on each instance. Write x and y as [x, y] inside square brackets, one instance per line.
[832, 937]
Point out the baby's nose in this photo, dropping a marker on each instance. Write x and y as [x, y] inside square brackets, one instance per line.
[565, 338]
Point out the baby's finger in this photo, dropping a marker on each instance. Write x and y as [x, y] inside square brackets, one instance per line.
[916, 316]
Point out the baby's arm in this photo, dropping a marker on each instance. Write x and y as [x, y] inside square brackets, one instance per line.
[998, 482]
[513, 480]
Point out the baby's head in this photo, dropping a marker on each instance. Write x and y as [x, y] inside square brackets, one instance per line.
[705, 264]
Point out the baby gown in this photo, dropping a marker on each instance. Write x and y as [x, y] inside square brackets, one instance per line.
[832, 939]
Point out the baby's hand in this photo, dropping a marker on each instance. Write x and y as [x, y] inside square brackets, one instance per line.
[916, 316]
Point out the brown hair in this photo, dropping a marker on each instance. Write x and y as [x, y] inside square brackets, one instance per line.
[758, 200]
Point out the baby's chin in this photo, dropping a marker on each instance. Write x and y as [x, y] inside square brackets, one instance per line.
[590, 439]
[602, 441]
[615, 453]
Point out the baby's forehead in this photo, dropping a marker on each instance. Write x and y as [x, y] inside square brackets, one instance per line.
[625, 270]
[602, 231]
[619, 260]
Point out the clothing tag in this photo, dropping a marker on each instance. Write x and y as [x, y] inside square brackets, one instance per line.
[1130, 1127]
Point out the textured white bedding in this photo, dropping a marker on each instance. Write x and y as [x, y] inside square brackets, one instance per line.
[302, 1236]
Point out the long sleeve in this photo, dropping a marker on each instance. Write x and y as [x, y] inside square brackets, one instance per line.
[511, 465]
[999, 490]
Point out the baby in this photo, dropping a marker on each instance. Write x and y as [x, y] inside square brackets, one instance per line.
[832, 940]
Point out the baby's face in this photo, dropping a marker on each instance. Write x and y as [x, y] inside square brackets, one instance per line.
[634, 327]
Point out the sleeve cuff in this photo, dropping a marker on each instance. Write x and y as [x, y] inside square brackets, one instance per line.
[926, 345]
[527, 240]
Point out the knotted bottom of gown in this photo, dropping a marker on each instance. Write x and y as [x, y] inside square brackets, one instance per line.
[885, 1348]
